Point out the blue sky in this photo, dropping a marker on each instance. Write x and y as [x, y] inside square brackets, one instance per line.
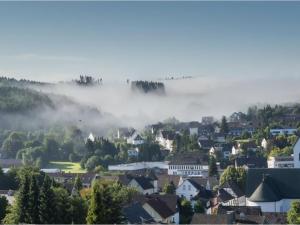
[149, 40]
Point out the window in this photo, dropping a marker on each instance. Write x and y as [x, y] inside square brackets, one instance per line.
[184, 187]
[189, 187]
[299, 156]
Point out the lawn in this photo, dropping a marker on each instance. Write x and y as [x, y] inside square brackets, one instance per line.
[67, 167]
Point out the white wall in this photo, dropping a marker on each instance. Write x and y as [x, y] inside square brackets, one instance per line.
[188, 170]
[138, 166]
[187, 190]
[279, 206]
[297, 154]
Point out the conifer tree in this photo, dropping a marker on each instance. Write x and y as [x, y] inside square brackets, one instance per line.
[33, 200]
[47, 205]
[105, 207]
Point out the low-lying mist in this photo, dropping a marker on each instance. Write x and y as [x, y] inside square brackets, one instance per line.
[187, 100]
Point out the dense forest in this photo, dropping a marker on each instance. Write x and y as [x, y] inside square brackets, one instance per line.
[148, 87]
[13, 99]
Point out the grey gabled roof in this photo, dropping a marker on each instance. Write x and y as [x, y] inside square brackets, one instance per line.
[136, 214]
[234, 187]
[144, 182]
[278, 184]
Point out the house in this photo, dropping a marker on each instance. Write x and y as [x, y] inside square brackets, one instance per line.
[205, 143]
[165, 139]
[264, 144]
[136, 214]
[143, 184]
[91, 137]
[224, 149]
[250, 162]
[133, 152]
[281, 162]
[162, 208]
[193, 131]
[135, 139]
[125, 133]
[236, 149]
[230, 194]
[272, 189]
[189, 164]
[284, 131]
[189, 188]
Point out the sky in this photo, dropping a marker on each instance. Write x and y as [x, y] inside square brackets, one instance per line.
[54, 41]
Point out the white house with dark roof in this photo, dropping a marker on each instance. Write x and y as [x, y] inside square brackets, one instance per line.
[165, 139]
[194, 189]
[162, 208]
[272, 189]
[135, 139]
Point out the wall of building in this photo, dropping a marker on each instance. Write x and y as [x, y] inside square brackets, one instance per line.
[139, 166]
[297, 154]
[279, 206]
[187, 190]
[188, 170]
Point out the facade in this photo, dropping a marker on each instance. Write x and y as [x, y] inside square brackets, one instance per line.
[144, 185]
[133, 152]
[188, 189]
[135, 139]
[285, 131]
[281, 162]
[188, 164]
[193, 131]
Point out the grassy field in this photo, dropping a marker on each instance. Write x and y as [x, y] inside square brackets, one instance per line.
[67, 167]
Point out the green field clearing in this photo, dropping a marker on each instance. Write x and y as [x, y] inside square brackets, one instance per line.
[67, 167]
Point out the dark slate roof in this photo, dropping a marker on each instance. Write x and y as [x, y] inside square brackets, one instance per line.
[169, 135]
[203, 194]
[169, 199]
[160, 207]
[136, 214]
[251, 162]
[125, 179]
[234, 187]
[227, 147]
[144, 182]
[206, 143]
[224, 196]
[189, 158]
[212, 219]
[267, 191]
[278, 184]
[149, 173]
